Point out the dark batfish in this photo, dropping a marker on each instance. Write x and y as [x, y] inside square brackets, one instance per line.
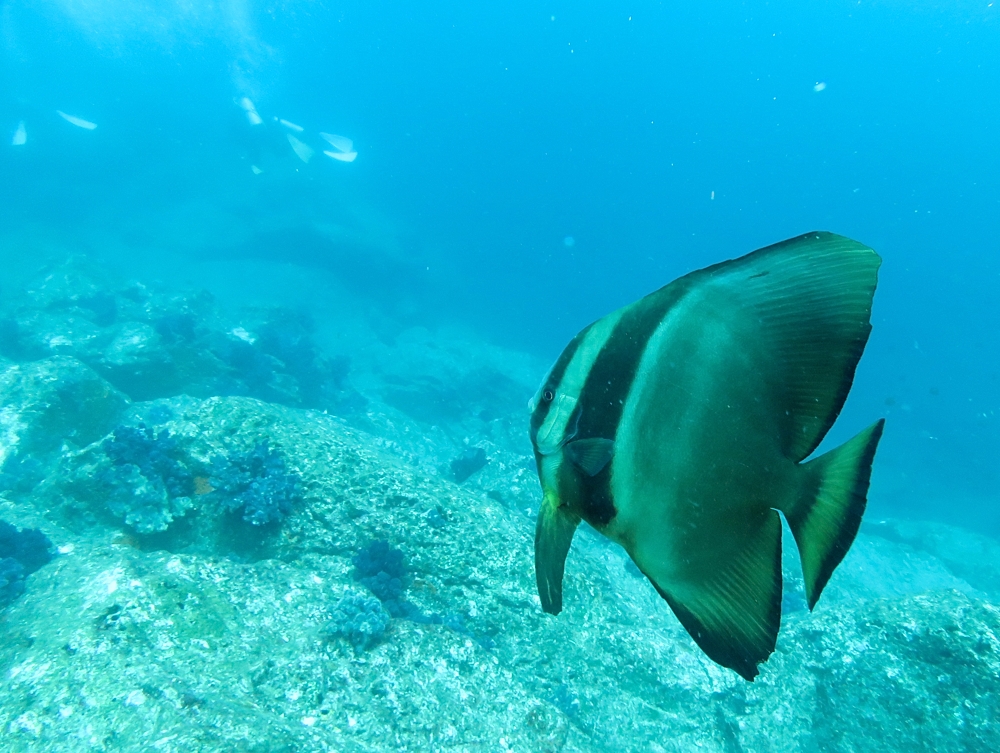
[678, 426]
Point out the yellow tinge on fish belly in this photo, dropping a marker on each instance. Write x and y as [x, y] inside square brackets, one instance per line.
[680, 425]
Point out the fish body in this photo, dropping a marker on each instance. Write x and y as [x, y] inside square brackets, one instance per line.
[78, 122]
[303, 151]
[253, 117]
[341, 156]
[340, 143]
[679, 426]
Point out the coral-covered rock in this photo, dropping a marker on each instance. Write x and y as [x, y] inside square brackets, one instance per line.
[11, 580]
[49, 405]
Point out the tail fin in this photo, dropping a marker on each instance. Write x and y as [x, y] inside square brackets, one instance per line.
[826, 517]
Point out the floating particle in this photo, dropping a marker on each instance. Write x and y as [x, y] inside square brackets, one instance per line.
[569, 241]
[820, 86]
[290, 124]
[20, 135]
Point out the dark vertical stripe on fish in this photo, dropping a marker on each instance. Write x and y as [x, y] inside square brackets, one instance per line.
[608, 385]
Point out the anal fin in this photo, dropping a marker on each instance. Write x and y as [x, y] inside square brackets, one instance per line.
[734, 612]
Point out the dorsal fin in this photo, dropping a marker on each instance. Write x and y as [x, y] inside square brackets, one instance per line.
[812, 297]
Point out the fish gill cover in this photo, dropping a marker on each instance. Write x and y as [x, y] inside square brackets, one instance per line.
[280, 279]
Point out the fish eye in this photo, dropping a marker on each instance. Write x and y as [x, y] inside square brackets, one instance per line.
[547, 396]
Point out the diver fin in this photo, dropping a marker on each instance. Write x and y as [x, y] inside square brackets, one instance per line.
[734, 613]
[590, 455]
[553, 536]
[812, 296]
[826, 517]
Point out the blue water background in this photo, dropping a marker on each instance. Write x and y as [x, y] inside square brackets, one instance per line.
[659, 137]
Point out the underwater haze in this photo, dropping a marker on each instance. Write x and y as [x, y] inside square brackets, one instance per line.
[279, 279]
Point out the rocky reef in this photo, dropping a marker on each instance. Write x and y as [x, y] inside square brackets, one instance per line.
[297, 564]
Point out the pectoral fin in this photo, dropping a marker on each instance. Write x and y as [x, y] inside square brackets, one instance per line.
[553, 536]
[590, 455]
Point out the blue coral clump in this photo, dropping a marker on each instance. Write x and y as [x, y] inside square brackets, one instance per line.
[257, 483]
[156, 455]
[282, 364]
[22, 552]
[148, 483]
[381, 568]
[360, 619]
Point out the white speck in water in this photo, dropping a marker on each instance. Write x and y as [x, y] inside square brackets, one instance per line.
[135, 698]
[309, 721]
[569, 241]
[820, 86]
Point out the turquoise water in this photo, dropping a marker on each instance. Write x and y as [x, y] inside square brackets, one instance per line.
[173, 220]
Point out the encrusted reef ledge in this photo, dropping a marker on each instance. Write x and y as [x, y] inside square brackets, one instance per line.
[238, 575]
